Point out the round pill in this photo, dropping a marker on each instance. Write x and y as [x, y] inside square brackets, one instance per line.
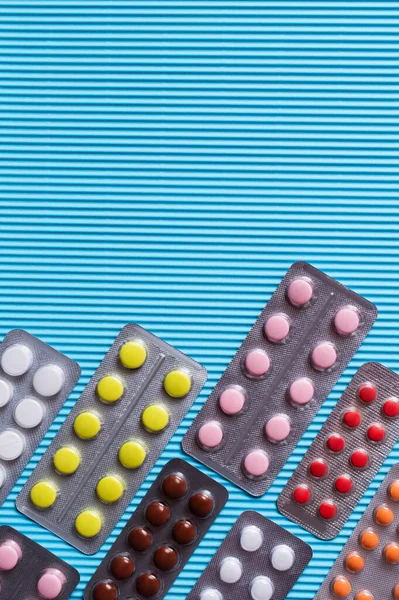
[341, 587]
[140, 539]
[122, 566]
[390, 408]
[232, 401]
[110, 389]
[88, 523]
[376, 432]
[318, 468]
[277, 327]
[230, 570]
[282, 557]
[367, 392]
[396, 592]
[251, 538]
[29, 413]
[48, 380]
[257, 363]
[343, 484]
[6, 392]
[301, 494]
[354, 562]
[133, 354]
[177, 384]
[394, 490]
[383, 515]
[211, 594]
[210, 434]
[301, 391]
[16, 360]
[278, 428]
[105, 590]
[256, 463]
[369, 539]
[10, 554]
[110, 489]
[157, 513]
[300, 292]
[351, 418]
[201, 504]
[347, 320]
[155, 417]
[359, 459]
[165, 558]
[66, 460]
[324, 356]
[148, 585]
[391, 553]
[12, 444]
[174, 486]
[51, 583]
[87, 425]
[364, 595]
[184, 532]
[335, 443]
[3, 476]
[132, 454]
[43, 494]
[261, 588]
[327, 510]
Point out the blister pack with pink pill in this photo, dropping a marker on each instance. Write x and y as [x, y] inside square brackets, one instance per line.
[278, 379]
[258, 560]
[346, 454]
[27, 570]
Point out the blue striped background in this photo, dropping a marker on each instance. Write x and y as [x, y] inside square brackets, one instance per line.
[165, 161]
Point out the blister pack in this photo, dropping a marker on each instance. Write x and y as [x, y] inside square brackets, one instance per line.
[27, 570]
[160, 536]
[35, 381]
[125, 416]
[346, 454]
[258, 560]
[281, 374]
[367, 567]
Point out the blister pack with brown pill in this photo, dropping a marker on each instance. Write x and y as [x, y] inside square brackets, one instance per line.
[346, 454]
[280, 376]
[367, 567]
[160, 536]
[117, 429]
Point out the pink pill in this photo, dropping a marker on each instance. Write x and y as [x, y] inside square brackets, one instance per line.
[210, 435]
[10, 553]
[346, 320]
[278, 428]
[51, 583]
[231, 400]
[257, 363]
[324, 355]
[300, 292]
[301, 391]
[277, 328]
[256, 463]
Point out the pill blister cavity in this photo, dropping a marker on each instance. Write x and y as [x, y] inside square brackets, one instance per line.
[251, 538]
[155, 418]
[335, 443]
[87, 425]
[29, 413]
[232, 400]
[390, 408]
[256, 464]
[230, 570]
[3, 476]
[343, 484]
[327, 510]
[324, 356]
[122, 566]
[301, 391]
[6, 392]
[351, 418]
[211, 594]
[177, 383]
[354, 562]
[369, 539]
[210, 435]
[391, 553]
[10, 554]
[364, 595]
[49, 380]
[341, 587]
[133, 354]
[393, 490]
[278, 428]
[51, 583]
[257, 363]
[110, 389]
[201, 504]
[43, 494]
[16, 360]
[261, 588]
[132, 454]
[347, 320]
[282, 557]
[359, 459]
[383, 515]
[318, 468]
[277, 328]
[165, 558]
[110, 489]
[301, 494]
[367, 392]
[174, 486]
[88, 523]
[376, 433]
[184, 532]
[140, 539]
[67, 460]
[12, 444]
[105, 590]
[157, 513]
[148, 585]
[300, 291]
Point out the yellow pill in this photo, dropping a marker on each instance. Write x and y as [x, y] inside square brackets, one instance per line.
[155, 417]
[110, 489]
[132, 454]
[177, 384]
[88, 523]
[110, 388]
[43, 494]
[87, 425]
[133, 354]
[66, 460]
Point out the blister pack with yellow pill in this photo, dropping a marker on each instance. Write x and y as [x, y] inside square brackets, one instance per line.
[117, 429]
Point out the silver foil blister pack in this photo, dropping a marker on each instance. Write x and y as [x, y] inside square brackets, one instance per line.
[160, 536]
[346, 454]
[117, 429]
[258, 560]
[278, 379]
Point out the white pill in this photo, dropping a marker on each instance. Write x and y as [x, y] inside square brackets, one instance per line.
[251, 538]
[230, 570]
[211, 594]
[29, 413]
[12, 444]
[261, 588]
[16, 360]
[3, 476]
[48, 380]
[6, 392]
[282, 557]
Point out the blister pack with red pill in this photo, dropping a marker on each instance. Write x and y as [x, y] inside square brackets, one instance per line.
[160, 536]
[258, 560]
[367, 567]
[346, 453]
[27, 570]
[281, 374]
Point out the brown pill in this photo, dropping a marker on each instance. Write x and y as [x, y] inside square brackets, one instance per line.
[140, 539]
[122, 567]
[148, 585]
[105, 590]
[157, 513]
[174, 486]
[184, 532]
[165, 558]
[201, 504]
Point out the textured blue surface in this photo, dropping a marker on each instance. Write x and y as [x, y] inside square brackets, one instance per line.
[165, 161]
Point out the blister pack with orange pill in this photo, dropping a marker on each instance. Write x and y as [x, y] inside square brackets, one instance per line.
[368, 566]
[117, 429]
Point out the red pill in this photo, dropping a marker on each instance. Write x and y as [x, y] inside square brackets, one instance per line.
[391, 408]
[318, 468]
[335, 443]
[327, 510]
[367, 392]
[301, 494]
[343, 484]
[351, 418]
[359, 459]
[376, 432]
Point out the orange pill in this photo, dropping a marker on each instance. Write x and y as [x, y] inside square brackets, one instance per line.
[396, 592]
[391, 552]
[364, 595]
[354, 562]
[369, 539]
[341, 587]
[394, 490]
[383, 515]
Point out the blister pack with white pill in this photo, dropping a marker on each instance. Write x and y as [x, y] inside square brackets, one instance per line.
[27, 570]
[277, 381]
[367, 567]
[160, 536]
[35, 381]
[258, 560]
[346, 454]
[117, 429]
